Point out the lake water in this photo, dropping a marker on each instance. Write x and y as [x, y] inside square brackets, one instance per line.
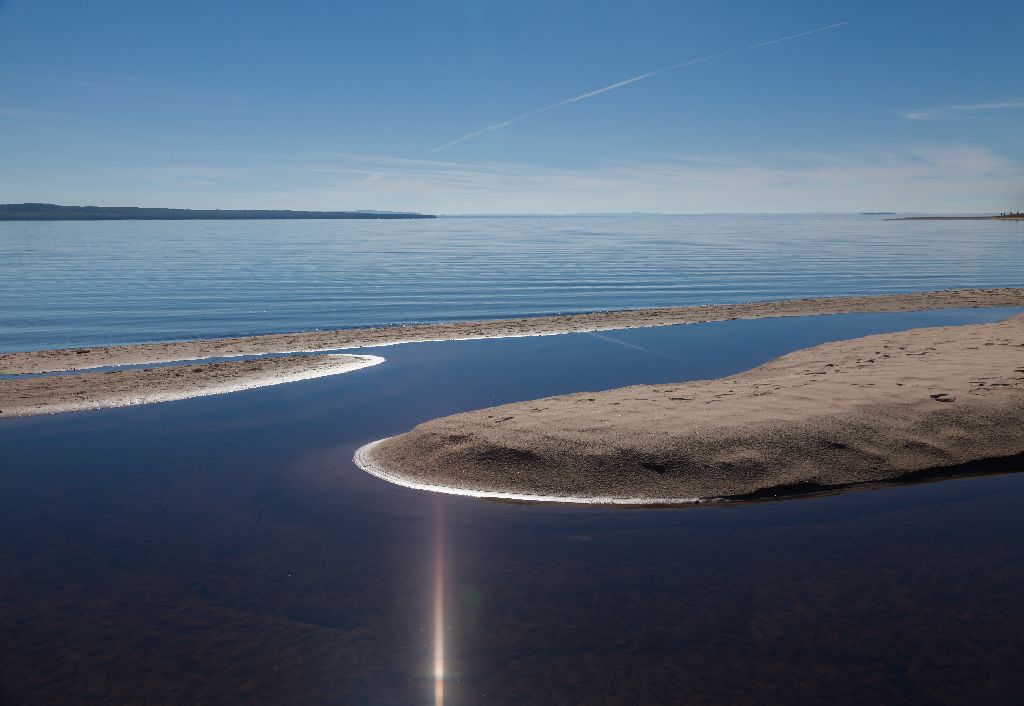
[91, 283]
[226, 550]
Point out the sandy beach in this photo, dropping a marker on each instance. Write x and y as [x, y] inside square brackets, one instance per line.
[120, 388]
[867, 410]
[315, 341]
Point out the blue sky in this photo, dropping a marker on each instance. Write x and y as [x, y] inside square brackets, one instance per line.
[912, 105]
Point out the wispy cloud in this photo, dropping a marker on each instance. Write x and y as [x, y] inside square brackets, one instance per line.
[13, 112]
[191, 176]
[946, 112]
[130, 84]
[621, 84]
[925, 178]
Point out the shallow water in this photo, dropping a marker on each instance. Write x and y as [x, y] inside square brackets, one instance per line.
[92, 283]
[225, 549]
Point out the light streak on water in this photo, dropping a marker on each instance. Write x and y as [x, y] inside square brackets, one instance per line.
[439, 620]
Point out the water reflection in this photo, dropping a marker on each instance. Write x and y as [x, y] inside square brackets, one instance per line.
[226, 550]
[440, 627]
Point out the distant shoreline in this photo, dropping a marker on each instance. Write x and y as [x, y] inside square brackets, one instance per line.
[53, 212]
[1008, 217]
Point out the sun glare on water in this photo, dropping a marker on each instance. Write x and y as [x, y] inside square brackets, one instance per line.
[439, 626]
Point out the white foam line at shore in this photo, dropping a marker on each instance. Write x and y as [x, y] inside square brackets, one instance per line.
[350, 364]
[600, 328]
[531, 334]
[366, 463]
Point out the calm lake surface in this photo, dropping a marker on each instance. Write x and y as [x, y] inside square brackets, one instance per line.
[226, 550]
[82, 283]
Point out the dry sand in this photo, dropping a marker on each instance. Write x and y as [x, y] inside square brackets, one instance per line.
[70, 393]
[867, 410]
[85, 358]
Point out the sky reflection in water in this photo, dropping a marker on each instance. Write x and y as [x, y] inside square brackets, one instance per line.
[225, 549]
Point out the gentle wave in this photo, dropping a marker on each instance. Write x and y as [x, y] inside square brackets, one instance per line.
[92, 283]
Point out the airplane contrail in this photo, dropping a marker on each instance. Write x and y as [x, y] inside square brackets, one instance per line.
[620, 84]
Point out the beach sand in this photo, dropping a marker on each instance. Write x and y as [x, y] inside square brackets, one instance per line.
[70, 393]
[110, 356]
[872, 409]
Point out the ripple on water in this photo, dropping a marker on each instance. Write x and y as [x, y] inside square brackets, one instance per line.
[92, 283]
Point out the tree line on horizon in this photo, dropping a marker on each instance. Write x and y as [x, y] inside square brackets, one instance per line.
[54, 212]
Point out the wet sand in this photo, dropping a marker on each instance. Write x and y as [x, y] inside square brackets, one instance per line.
[867, 410]
[85, 358]
[120, 388]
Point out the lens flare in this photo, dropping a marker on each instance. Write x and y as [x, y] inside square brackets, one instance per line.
[438, 604]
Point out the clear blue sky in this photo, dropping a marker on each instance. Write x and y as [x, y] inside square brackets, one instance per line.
[912, 105]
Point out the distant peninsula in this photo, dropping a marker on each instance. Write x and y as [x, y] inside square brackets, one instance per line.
[53, 212]
[1015, 216]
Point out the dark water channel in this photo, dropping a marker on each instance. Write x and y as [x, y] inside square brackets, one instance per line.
[226, 550]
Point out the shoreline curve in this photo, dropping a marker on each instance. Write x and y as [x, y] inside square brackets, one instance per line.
[869, 410]
[994, 466]
[365, 462]
[34, 396]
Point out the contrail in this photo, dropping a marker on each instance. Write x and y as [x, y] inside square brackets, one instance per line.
[620, 84]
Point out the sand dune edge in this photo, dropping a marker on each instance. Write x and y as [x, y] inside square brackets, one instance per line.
[868, 410]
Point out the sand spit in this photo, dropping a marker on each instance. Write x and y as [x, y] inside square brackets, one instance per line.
[120, 388]
[868, 410]
[85, 358]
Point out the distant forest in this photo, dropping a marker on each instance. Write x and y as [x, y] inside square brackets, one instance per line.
[53, 212]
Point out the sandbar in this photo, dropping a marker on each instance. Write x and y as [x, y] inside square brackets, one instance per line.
[69, 359]
[119, 388]
[867, 410]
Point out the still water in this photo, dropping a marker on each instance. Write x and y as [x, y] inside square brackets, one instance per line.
[226, 550]
[81, 283]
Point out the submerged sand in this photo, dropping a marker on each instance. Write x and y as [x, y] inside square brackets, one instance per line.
[110, 356]
[867, 410]
[70, 393]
